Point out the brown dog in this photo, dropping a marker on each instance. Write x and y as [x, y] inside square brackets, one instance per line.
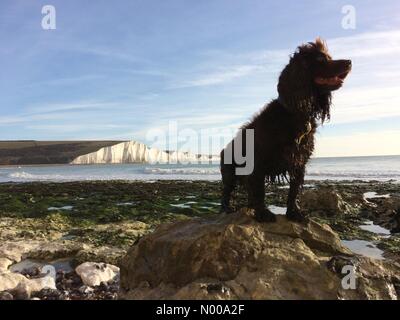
[284, 130]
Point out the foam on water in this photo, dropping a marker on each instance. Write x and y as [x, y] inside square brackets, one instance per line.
[28, 264]
[183, 170]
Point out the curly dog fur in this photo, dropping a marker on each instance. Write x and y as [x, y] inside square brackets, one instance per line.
[284, 130]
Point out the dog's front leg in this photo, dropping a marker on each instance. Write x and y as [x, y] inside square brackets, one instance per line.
[294, 212]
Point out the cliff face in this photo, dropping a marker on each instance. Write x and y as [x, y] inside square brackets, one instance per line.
[136, 152]
[46, 152]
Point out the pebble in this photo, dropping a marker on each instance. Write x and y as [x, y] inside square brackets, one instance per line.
[49, 294]
[6, 296]
[69, 287]
[85, 290]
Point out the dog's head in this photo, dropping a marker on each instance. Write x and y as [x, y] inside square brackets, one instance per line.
[307, 81]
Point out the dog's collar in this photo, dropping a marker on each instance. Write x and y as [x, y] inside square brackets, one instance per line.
[283, 104]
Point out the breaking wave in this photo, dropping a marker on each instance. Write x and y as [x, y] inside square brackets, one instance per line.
[188, 171]
[386, 175]
[26, 176]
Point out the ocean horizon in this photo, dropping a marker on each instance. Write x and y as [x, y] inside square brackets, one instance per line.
[366, 168]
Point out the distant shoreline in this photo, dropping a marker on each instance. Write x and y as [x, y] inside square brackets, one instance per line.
[191, 163]
[384, 168]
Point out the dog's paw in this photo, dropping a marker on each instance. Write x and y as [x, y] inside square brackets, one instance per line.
[297, 215]
[264, 216]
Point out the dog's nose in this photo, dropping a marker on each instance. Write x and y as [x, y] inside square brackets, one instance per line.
[348, 63]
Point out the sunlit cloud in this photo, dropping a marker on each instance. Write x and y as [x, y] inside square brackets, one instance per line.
[361, 144]
[221, 76]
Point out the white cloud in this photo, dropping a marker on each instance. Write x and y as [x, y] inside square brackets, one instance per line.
[57, 107]
[66, 81]
[364, 104]
[221, 76]
[54, 111]
[62, 128]
[366, 45]
[360, 144]
[27, 118]
[107, 53]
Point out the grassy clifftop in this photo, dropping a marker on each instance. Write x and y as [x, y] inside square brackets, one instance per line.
[28, 152]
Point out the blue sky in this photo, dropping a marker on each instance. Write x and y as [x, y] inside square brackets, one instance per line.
[117, 70]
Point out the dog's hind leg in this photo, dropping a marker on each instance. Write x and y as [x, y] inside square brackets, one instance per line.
[229, 184]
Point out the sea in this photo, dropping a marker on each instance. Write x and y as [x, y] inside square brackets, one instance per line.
[381, 168]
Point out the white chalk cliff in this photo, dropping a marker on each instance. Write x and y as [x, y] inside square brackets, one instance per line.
[136, 152]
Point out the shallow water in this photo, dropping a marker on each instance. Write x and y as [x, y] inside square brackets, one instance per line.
[374, 195]
[364, 248]
[67, 208]
[277, 210]
[63, 264]
[125, 204]
[181, 205]
[371, 227]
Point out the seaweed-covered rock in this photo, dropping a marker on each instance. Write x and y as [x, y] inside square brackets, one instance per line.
[106, 254]
[324, 202]
[234, 257]
[43, 250]
[385, 211]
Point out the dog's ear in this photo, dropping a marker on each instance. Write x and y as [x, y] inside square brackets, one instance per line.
[321, 45]
[295, 84]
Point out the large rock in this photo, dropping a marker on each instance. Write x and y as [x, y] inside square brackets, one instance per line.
[324, 202]
[14, 251]
[234, 257]
[386, 212]
[42, 250]
[23, 286]
[4, 264]
[105, 254]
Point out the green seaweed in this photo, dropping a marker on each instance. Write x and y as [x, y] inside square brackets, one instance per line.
[103, 212]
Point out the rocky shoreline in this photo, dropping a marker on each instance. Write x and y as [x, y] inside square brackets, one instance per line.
[77, 225]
